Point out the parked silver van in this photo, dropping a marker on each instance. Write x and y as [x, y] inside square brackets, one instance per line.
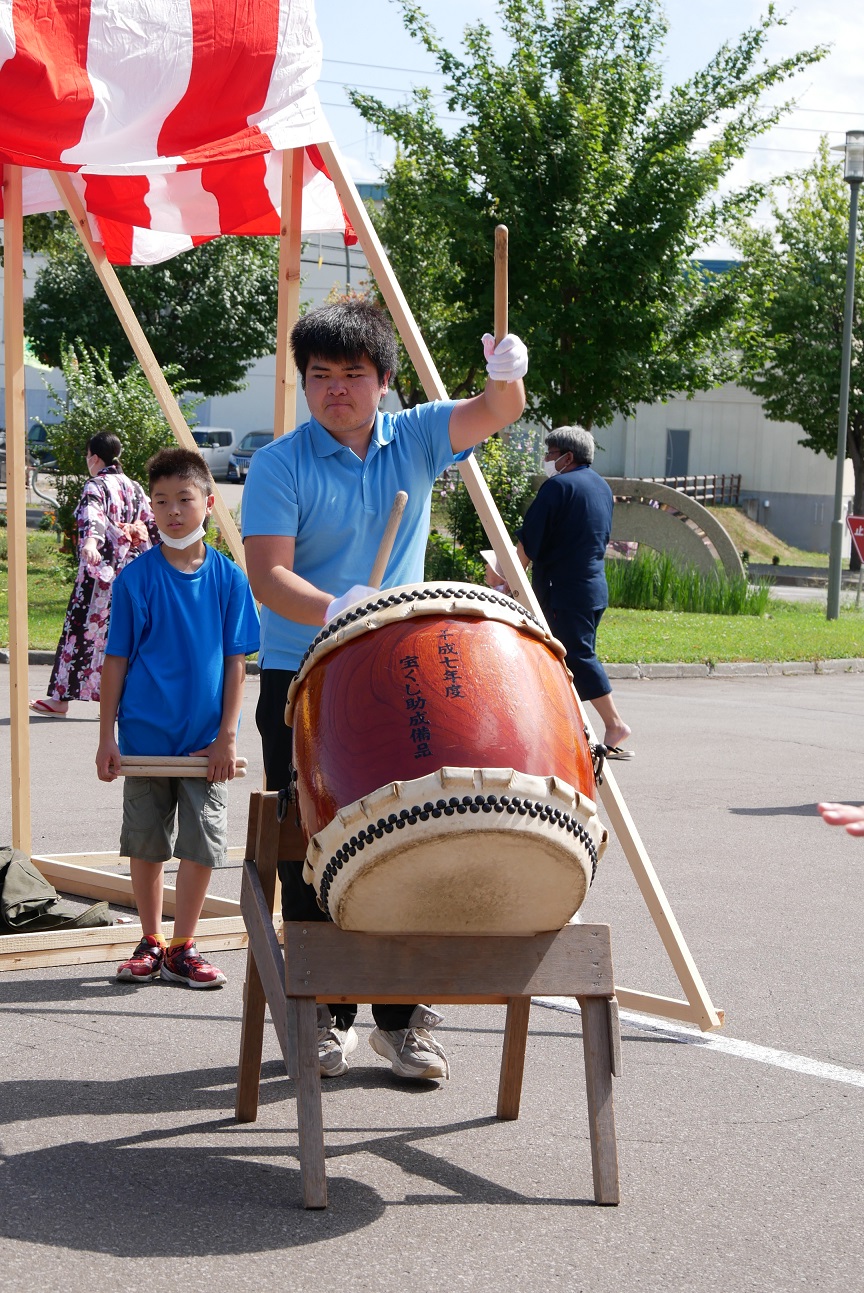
[216, 445]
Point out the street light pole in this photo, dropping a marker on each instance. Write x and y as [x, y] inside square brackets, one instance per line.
[853, 173]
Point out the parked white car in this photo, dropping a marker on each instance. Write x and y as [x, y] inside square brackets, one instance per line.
[238, 466]
[216, 445]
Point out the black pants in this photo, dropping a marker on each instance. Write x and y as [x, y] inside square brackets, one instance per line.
[576, 627]
[298, 897]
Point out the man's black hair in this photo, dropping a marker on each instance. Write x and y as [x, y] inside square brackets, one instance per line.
[351, 330]
[105, 445]
[185, 463]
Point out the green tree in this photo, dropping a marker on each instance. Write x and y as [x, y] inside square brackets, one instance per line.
[608, 184]
[96, 400]
[791, 341]
[208, 313]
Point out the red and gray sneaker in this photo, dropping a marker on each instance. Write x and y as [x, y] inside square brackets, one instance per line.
[145, 962]
[185, 965]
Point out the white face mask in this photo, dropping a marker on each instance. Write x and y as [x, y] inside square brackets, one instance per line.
[550, 465]
[183, 543]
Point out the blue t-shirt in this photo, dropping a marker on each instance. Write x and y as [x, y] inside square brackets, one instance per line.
[309, 487]
[565, 533]
[175, 630]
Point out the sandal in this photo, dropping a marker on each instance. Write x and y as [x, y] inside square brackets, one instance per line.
[616, 752]
[46, 709]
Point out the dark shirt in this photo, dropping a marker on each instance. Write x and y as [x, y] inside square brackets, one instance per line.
[565, 533]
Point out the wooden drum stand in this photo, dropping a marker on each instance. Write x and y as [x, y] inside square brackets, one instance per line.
[324, 963]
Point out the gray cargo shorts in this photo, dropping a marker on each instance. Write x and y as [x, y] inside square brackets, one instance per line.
[150, 807]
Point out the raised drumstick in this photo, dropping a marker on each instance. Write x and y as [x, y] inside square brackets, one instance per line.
[386, 546]
[501, 287]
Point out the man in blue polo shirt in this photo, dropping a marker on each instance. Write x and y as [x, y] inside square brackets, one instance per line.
[315, 507]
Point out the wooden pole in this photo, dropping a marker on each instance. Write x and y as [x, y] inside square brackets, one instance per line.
[288, 310]
[142, 349]
[16, 467]
[699, 1007]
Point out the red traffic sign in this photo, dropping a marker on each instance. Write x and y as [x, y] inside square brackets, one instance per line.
[856, 529]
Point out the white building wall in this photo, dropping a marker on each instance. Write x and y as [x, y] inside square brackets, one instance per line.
[791, 488]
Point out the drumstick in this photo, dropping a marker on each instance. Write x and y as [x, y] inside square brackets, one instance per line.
[501, 288]
[388, 540]
[170, 765]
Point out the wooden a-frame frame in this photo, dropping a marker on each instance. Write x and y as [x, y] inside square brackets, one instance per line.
[697, 1008]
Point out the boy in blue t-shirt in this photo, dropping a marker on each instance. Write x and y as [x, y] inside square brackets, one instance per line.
[181, 627]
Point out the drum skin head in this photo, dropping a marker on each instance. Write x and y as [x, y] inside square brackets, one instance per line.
[464, 884]
[463, 850]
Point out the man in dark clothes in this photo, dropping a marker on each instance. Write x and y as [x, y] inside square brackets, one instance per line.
[564, 537]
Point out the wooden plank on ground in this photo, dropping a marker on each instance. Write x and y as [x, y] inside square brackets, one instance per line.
[67, 875]
[106, 943]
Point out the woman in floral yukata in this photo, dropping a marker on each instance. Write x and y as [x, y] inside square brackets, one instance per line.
[115, 524]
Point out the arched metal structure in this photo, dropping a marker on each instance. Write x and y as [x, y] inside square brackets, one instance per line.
[676, 524]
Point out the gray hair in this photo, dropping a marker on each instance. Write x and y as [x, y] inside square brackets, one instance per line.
[575, 440]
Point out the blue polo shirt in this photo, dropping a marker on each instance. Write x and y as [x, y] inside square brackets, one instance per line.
[309, 487]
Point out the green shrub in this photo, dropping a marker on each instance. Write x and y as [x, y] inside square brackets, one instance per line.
[509, 470]
[96, 400]
[446, 561]
[652, 581]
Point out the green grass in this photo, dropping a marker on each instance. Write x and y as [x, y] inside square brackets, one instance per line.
[49, 583]
[653, 581]
[789, 631]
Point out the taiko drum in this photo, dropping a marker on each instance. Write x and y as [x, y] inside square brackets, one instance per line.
[444, 777]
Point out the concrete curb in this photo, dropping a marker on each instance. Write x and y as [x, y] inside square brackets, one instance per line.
[737, 669]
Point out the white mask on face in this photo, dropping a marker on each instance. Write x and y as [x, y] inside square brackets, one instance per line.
[183, 543]
[550, 466]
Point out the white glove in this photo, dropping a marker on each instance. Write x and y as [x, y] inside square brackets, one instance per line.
[359, 593]
[508, 361]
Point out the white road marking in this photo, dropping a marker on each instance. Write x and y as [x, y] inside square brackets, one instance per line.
[715, 1042]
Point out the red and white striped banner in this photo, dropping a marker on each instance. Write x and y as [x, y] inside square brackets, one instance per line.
[170, 114]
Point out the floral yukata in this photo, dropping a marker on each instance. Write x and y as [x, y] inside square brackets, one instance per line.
[109, 501]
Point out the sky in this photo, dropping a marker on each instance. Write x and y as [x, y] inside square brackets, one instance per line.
[377, 54]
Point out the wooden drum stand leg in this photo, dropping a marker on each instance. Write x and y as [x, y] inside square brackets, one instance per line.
[513, 1058]
[266, 840]
[599, 1047]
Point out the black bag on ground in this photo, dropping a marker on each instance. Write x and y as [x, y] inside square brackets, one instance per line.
[28, 903]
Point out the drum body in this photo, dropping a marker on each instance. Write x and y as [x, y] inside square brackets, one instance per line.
[444, 778]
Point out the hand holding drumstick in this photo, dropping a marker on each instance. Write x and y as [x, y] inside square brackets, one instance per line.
[361, 592]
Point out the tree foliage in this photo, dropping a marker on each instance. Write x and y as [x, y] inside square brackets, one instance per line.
[208, 313]
[607, 183]
[791, 344]
[96, 400]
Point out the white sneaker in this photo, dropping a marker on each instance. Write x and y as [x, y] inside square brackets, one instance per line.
[412, 1051]
[334, 1045]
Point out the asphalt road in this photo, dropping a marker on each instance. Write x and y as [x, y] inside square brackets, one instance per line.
[740, 1155]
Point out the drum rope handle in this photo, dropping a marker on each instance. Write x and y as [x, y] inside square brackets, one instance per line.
[386, 546]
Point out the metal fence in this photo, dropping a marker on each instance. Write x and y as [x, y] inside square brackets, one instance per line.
[705, 489]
